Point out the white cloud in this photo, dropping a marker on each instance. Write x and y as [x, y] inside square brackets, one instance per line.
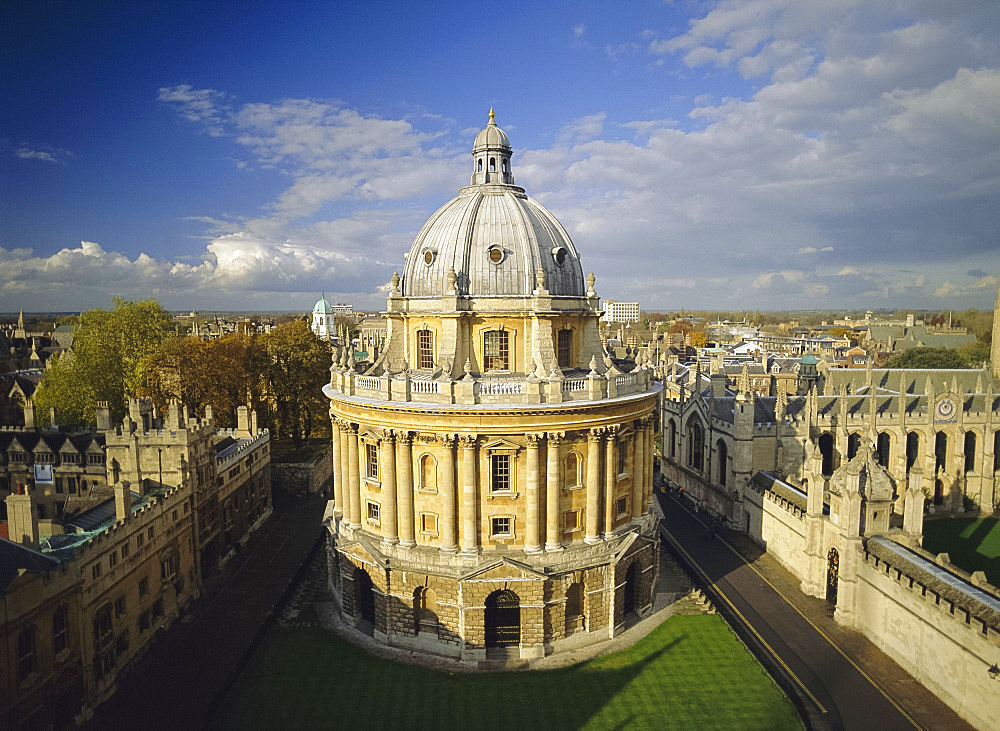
[48, 154]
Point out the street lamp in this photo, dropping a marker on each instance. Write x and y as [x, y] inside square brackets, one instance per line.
[994, 671]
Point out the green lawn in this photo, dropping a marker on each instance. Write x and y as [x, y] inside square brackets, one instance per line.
[972, 544]
[690, 672]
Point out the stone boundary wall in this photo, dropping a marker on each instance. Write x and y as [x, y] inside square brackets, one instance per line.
[937, 642]
[779, 526]
[304, 478]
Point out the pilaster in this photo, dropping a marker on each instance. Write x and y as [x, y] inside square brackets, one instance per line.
[552, 484]
[593, 533]
[448, 525]
[470, 543]
[532, 544]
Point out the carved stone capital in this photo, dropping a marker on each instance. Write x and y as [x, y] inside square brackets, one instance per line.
[556, 437]
[404, 437]
[467, 441]
[533, 440]
[595, 435]
[389, 435]
[447, 440]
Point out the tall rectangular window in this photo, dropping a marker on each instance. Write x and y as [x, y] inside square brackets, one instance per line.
[425, 349]
[565, 348]
[371, 453]
[500, 472]
[496, 350]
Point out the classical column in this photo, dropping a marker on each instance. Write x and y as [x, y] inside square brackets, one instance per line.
[531, 541]
[552, 484]
[469, 539]
[448, 494]
[355, 475]
[593, 486]
[610, 476]
[338, 475]
[638, 469]
[387, 473]
[345, 469]
[650, 460]
[404, 488]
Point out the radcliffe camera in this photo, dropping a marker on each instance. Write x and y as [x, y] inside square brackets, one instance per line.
[385, 366]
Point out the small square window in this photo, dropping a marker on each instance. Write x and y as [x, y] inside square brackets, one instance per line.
[571, 521]
[140, 539]
[113, 560]
[428, 523]
[373, 511]
[95, 571]
[150, 532]
[144, 586]
[144, 621]
[502, 526]
[120, 606]
[621, 507]
[125, 551]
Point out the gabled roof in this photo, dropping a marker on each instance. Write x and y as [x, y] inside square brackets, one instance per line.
[14, 557]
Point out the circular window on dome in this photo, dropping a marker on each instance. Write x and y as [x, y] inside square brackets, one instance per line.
[495, 253]
[428, 257]
[559, 254]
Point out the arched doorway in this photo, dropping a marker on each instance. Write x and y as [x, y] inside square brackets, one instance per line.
[832, 575]
[628, 591]
[574, 608]
[502, 619]
[938, 492]
[425, 619]
[364, 595]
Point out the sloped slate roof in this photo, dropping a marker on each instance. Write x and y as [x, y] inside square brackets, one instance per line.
[14, 557]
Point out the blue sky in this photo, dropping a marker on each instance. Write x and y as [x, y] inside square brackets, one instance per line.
[765, 154]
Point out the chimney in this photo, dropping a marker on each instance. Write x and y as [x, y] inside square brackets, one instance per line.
[22, 520]
[718, 384]
[209, 414]
[103, 416]
[243, 420]
[123, 500]
[29, 415]
[174, 421]
[253, 423]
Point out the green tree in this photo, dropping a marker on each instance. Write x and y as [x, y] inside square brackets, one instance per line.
[106, 365]
[927, 358]
[297, 368]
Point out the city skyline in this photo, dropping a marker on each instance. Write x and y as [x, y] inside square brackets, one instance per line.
[766, 154]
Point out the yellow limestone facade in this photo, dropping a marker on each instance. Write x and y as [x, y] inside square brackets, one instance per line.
[493, 467]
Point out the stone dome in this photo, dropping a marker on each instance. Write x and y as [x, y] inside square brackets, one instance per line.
[493, 236]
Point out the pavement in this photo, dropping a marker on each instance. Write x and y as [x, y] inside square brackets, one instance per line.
[837, 677]
[188, 668]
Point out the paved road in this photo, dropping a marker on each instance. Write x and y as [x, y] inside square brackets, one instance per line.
[176, 683]
[838, 693]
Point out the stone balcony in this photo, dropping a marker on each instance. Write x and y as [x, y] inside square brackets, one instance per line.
[512, 389]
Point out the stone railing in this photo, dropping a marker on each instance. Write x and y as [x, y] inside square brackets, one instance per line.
[510, 390]
[500, 388]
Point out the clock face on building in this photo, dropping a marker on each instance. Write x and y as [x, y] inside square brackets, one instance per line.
[946, 409]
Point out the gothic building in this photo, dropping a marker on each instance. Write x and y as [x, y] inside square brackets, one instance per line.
[494, 480]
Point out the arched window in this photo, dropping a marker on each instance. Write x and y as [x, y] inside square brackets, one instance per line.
[882, 445]
[970, 451]
[723, 459]
[60, 624]
[425, 349]
[853, 444]
[493, 164]
[496, 350]
[672, 432]
[26, 660]
[428, 473]
[479, 165]
[940, 451]
[572, 465]
[826, 449]
[565, 348]
[504, 164]
[912, 449]
[696, 445]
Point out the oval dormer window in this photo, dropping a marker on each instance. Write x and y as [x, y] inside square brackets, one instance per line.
[428, 257]
[559, 254]
[495, 253]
